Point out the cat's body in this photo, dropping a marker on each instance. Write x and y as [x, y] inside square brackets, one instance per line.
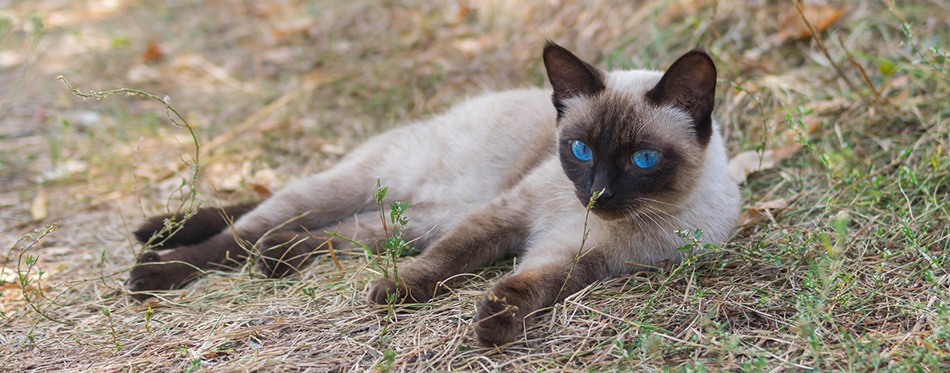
[508, 172]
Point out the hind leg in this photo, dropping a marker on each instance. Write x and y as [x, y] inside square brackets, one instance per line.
[313, 202]
[287, 252]
[206, 222]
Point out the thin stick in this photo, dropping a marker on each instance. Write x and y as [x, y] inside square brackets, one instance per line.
[821, 45]
[329, 243]
[864, 73]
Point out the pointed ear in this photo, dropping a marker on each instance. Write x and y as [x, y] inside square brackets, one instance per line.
[570, 76]
[690, 84]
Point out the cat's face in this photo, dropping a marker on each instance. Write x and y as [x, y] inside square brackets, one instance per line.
[637, 137]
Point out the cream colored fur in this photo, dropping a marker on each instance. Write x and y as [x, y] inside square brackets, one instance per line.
[449, 165]
[486, 178]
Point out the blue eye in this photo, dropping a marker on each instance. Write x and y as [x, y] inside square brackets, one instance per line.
[646, 158]
[581, 150]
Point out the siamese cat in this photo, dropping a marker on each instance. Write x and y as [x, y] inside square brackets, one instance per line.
[500, 173]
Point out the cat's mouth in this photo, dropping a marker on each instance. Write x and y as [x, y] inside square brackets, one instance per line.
[608, 214]
[606, 206]
[609, 211]
[631, 208]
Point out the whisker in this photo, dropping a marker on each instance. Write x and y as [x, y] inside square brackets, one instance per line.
[676, 219]
[647, 199]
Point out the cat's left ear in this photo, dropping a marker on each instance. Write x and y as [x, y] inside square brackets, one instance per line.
[690, 84]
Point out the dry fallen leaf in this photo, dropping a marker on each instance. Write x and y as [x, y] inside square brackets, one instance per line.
[152, 302]
[152, 52]
[748, 162]
[821, 16]
[38, 209]
[761, 211]
[334, 149]
[292, 27]
[463, 12]
[261, 190]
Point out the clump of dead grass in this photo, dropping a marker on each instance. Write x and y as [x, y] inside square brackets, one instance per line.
[851, 275]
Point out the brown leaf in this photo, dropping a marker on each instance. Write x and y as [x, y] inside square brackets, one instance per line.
[821, 16]
[761, 211]
[464, 10]
[747, 162]
[261, 190]
[291, 28]
[152, 52]
[152, 302]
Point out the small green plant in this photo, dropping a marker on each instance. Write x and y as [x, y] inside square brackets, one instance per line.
[186, 190]
[389, 356]
[797, 125]
[29, 276]
[694, 238]
[391, 248]
[193, 366]
[580, 250]
[148, 319]
[395, 245]
[932, 56]
[115, 341]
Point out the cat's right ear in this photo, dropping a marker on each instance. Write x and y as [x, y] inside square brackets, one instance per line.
[570, 76]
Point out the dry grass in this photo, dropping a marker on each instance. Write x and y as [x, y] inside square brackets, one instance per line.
[851, 276]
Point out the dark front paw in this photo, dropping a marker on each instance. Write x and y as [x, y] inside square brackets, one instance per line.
[284, 253]
[152, 273]
[385, 291]
[497, 322]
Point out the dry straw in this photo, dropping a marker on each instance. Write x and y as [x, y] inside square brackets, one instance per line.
[851, 274]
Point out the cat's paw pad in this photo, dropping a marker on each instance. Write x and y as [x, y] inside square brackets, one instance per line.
[497, 322]
[283, 255]
[151, 273]
[385, 291]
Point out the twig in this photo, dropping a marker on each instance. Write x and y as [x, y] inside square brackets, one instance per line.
[821, 45]
[329, 242]
[864, 73]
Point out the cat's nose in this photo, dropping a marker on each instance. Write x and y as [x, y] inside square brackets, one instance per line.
[601, 184]
[603, 198]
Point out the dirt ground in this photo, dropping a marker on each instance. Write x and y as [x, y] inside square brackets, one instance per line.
[841, 263]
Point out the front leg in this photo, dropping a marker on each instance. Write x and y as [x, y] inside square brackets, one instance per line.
[541, 281]
[178, 267]
[479, 239]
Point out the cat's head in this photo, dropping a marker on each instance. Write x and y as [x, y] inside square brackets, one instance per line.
[638, 136]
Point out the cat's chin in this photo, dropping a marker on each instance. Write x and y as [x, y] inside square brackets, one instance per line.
[608, 214]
